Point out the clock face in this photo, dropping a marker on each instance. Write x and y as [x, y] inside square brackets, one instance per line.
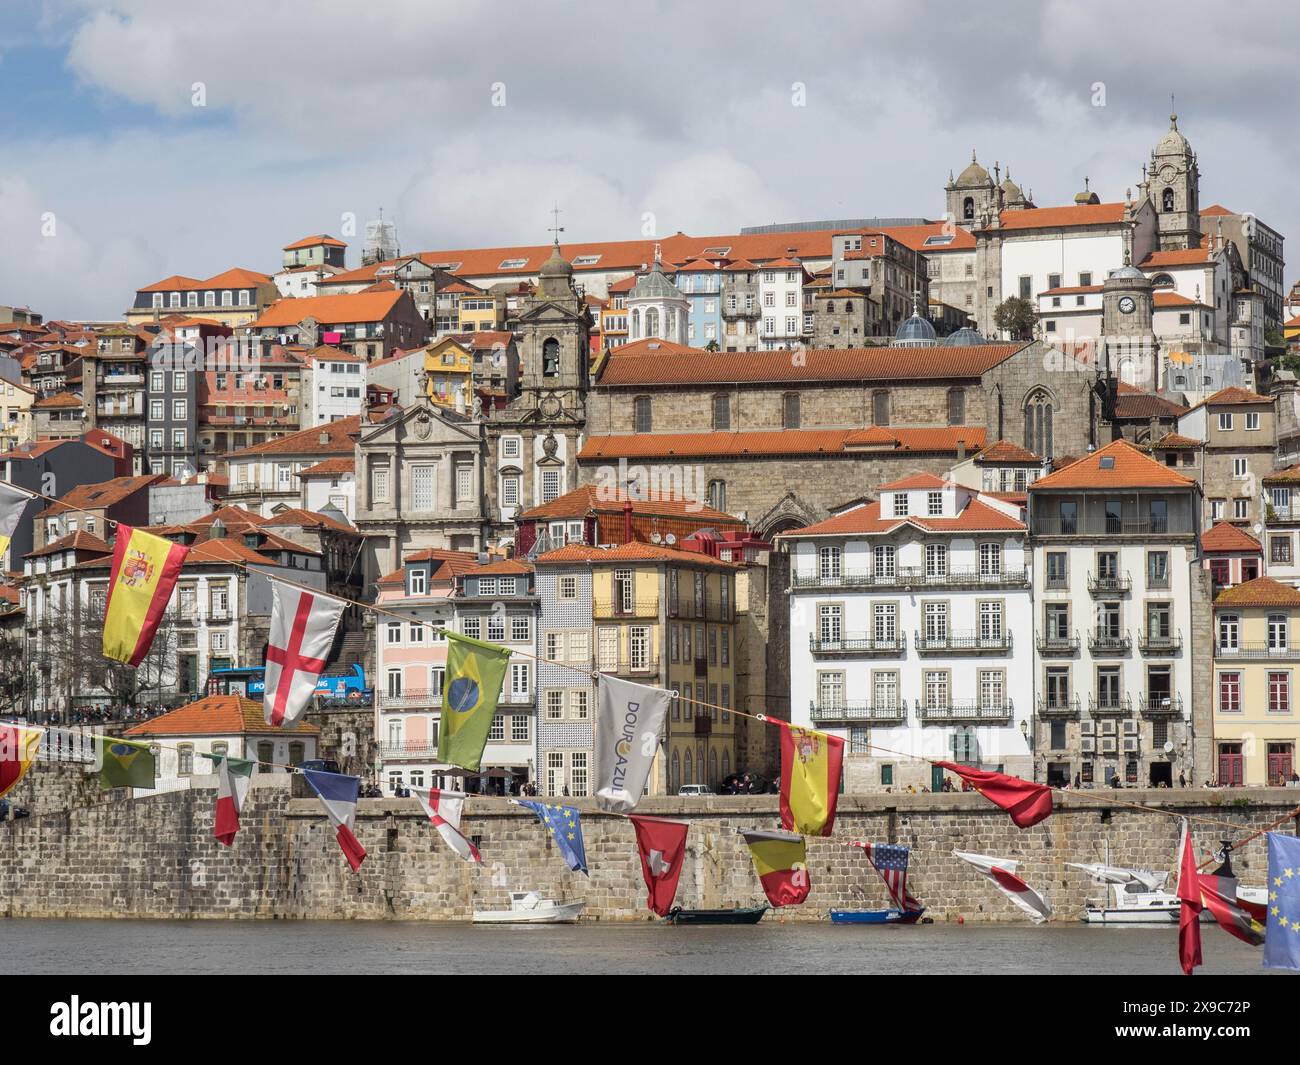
[1126, 304]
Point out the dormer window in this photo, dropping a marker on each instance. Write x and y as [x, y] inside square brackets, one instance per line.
[419, 582]
[934, 504]
[900, 504]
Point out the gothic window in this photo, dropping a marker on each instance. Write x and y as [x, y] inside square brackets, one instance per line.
[652, 321]
[550, 357]
[968, 208]
[830, 306]
[721, 412]
[880, 407]
[848, 306]
[1038, 422]
[641, 414]
[1167, 200]
[956, 406]
[790, 410]
[718, 495]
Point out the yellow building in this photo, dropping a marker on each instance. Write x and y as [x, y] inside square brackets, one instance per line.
[15, 414]
[667, 618]
[449, 374]
[1256, 652]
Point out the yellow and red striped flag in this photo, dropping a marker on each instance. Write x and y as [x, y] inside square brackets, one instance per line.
[145, 568]
[811, 764]
[781, 861]
[18, 747]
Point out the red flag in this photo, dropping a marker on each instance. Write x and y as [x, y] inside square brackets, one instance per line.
[1026, 803]
[1237, 917]
[663, 848]
[1189, 912]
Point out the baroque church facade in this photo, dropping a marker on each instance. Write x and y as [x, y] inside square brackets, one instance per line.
[431, 477]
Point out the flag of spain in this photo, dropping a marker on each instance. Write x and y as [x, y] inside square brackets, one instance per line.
[145, 568]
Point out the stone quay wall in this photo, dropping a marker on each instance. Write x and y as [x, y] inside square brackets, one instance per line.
[155, 857]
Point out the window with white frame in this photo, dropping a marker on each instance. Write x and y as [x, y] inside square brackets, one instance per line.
[884, 557]
[520, 679]
[554, 704]
[829, 560]
[568, 587]
[936, 560]
[418, 581]
[990, 560]
[934, 504]
[884, 620]
[521, 628]
[830, 622]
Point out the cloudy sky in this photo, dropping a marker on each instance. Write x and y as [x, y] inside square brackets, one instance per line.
[111, 177]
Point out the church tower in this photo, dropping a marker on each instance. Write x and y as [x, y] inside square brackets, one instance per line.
[1173, 186]
[1127, 337]
[972, 196]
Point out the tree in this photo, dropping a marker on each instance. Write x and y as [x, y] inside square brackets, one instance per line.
[12, 673]
[1016, 317]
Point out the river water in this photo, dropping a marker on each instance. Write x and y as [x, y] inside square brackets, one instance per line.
[773, 946]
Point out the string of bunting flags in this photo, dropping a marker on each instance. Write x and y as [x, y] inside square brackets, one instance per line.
[628, 726]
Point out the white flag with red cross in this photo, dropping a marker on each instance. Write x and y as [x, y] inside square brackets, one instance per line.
[302, 632]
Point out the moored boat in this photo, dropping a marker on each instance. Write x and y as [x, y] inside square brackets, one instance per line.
[529, 907]
[890, 916]
[739, 915]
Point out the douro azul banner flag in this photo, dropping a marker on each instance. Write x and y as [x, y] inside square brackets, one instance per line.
[629, 720]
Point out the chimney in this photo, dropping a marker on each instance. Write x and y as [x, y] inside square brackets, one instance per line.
[627, 521]
[324, 439]
[961, 450]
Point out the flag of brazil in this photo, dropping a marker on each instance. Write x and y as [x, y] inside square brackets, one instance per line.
[475, 673]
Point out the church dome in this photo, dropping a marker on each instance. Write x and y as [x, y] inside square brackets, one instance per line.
[964, 338]
[1010, 190]
[654, 286]
[916, 332]
[1173, 142]
[556, 266]
[1127, 271]
[973, 174]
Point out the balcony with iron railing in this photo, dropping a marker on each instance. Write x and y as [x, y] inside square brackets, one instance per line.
[1253, 650]
[1109, 644]
[1285, 512]
[962, 643]
[625, 667]
[423, 751]
[914, 577]
[1058, 707]
[1160, 704]
[1159, 644]
[411, 699]
[706, 608]
[1109, 584]
[964, 710]
[618, 607]
[857, 643]
[1110, 706]
[1052, 525]
[1058, 645]
[845, 714]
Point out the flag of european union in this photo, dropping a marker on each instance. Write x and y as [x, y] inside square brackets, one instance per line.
[1282, 933]
[565, 827]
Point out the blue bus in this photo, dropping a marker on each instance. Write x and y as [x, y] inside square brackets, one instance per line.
[250, 681]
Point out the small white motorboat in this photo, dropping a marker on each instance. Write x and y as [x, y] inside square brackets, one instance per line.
[529, 907]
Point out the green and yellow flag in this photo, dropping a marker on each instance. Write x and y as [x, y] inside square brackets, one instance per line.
[125, 764]
[475, 673]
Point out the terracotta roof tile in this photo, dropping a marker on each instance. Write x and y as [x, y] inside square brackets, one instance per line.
[330, 468]
[586, 500]
[236, 277]
[307, 519]
[331, 310]
[1262, 591]
[1177, 257]
[1233, 394]
[59, 400]
[217, 715]
[1127, 468]
[1134, 403]
[1092, 214]
[1176, 440]
[781, 442]
[77, 541]
[916, 480]
[634, 551]
[1224, 536]
[308, 441]
[102, 494]
[314, 241]
[1006, 451]
[1289, 475]
[866, 520]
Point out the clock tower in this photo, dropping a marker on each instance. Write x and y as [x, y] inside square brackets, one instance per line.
[1172, 184]
[1128, 341]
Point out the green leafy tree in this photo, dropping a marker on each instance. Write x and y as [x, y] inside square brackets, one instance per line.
[1016, 317]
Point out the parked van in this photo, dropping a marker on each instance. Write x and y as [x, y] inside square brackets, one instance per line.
[695, 789]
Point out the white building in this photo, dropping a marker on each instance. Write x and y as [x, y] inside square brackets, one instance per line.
[227, 725]
[657, 308]
[1115, 576]
[909, 623]
[780, 301]
[334, 386]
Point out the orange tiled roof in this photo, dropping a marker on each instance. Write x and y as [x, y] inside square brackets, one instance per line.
[587, 500]
[780, 442]
[314, 241]
[1174, 299]
[58, 400]
[102, 494]
[1233, 394]
[1006, 451]
[1176, 440]
[1090, 214]
[635, 551]
[77, 541]
[933, 439]
[1070, 290]
[330, 468]
[217, 715]
[915, 237]
[1132, 402]
[676, 366]
[236, 277]
[331, 310]
[1131, 469]
[1262, 591]
[1289, 475]
[974, 517]
[1224, 536]
[916, 480]
[503, 567]
[1177, 257]
[308, 519]
[308, 441]
[1215, 209]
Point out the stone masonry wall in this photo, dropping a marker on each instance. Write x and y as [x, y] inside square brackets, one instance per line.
[155, 856]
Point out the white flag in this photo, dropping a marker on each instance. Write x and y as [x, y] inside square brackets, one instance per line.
[302, 633]
[629, 718]
[444, 809]
[13, 502]
[1002, 871]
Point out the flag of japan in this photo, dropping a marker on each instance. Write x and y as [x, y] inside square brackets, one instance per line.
[302, 632]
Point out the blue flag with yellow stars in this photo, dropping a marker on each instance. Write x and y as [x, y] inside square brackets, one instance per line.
[1282, 933]
[565, 827]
